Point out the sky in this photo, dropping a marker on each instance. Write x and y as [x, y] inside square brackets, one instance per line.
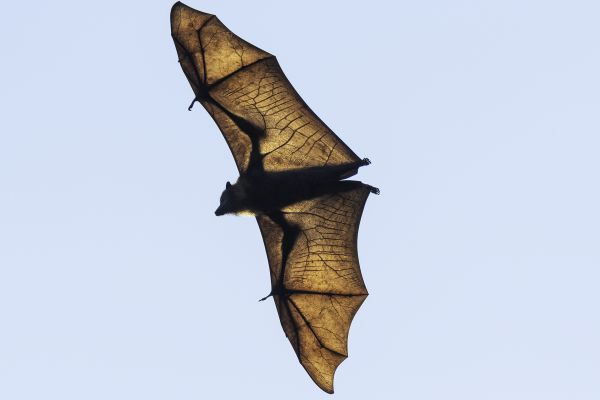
[481, 254]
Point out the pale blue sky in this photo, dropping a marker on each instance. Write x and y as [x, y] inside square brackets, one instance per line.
[481, 255]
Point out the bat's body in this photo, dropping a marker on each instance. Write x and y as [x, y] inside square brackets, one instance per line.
[292, 178]
[259, 192]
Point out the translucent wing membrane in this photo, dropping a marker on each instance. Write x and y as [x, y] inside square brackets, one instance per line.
[235, 80]
[318, 286]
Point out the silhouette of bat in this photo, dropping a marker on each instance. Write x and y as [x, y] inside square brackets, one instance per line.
[291, 169]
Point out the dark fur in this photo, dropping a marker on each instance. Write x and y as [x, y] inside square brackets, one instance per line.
[261, 192]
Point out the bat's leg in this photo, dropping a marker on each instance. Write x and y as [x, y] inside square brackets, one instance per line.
[344, 186]
[347, 170]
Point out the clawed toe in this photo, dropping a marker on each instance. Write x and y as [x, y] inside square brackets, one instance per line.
[366, 161]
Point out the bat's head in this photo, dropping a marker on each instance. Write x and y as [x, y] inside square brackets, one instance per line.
[227, 201]
[232, 200]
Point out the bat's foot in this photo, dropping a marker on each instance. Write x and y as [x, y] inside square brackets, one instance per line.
[374, 190]
[192, 103]
[365, 161]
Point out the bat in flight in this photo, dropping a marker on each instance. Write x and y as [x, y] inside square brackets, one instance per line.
[292, 179]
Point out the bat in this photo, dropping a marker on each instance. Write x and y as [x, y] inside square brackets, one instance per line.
[293, 172]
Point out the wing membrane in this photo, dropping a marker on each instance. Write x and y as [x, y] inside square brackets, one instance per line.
[228, 73]
[320, 286]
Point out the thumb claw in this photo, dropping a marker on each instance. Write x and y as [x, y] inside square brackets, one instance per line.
[192, 104]
[266, 297]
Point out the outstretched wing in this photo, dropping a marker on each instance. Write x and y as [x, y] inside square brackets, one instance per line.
[247, 94]
[315, 276]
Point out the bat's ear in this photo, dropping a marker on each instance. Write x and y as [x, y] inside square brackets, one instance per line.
[227, 185]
